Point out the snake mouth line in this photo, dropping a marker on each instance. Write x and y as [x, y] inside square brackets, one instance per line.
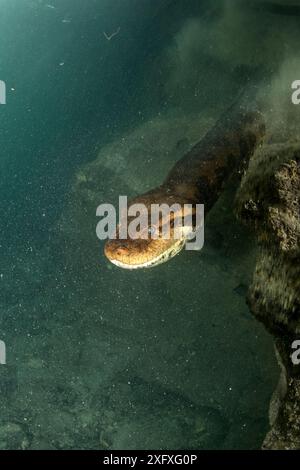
[162, 258]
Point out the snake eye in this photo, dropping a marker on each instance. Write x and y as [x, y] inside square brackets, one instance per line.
[151, 230]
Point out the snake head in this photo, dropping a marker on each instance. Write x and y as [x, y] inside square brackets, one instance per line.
[156, 233]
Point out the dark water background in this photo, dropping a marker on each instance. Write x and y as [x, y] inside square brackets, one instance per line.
[73, 93]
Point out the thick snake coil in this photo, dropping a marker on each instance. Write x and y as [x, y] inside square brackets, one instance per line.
[197, 178]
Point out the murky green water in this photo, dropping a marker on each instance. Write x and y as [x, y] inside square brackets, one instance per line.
[98, 357]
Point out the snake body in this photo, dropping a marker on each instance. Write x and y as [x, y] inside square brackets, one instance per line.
[197, 178]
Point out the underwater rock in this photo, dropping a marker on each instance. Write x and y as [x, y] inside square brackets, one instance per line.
[269, 202]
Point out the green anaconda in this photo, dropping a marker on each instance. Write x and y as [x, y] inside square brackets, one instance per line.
[197, 178]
